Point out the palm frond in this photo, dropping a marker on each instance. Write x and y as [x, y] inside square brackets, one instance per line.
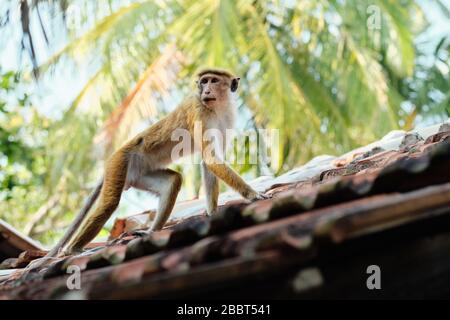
[400, 50]
[105, 34]
[141, 102]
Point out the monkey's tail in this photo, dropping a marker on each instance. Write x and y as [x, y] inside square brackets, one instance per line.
[78, 220]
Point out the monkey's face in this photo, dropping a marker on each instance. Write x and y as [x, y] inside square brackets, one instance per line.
[215, 89]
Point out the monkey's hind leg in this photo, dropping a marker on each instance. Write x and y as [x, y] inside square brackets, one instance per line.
[113, 183]
[166, 183]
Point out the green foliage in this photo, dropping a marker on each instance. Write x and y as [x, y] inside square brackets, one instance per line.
[19, 160]
[429, 88]
[315, 70]
[22, 164]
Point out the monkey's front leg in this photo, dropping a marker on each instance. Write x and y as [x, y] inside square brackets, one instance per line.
[211, 185]
[230, 177]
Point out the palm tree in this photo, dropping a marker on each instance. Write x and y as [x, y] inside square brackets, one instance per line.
[313, 69]
[316, 70]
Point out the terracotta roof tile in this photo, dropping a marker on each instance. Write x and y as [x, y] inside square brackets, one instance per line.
[308, 219]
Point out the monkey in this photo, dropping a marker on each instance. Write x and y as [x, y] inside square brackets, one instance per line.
[142, 162]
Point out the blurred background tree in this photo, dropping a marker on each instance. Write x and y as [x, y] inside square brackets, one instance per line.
[331, 75]
[23, 164]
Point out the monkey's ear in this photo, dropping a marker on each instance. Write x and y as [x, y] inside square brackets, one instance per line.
[234, 84]
[198, 85]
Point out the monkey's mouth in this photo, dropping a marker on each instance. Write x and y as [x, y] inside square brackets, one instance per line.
[209, 99]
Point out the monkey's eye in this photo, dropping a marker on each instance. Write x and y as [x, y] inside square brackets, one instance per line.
[214, 80]
[203, 81]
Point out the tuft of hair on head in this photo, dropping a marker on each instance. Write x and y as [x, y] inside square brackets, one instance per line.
[217, 71]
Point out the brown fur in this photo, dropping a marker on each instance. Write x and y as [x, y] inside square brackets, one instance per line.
[217, 71]
[142, 162]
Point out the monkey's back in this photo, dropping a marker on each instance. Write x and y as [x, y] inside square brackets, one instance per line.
[155, 143]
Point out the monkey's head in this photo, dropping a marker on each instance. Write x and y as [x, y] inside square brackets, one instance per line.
[215, 86]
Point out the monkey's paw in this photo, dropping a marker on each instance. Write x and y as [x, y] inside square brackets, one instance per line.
[258, 196]
[210, 213]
